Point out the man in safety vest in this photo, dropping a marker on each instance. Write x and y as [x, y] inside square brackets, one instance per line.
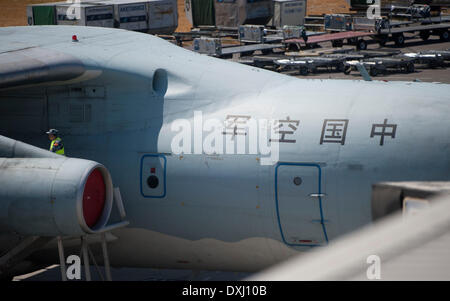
[56, 145]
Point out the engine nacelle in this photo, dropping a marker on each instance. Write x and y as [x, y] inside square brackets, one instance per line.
[54, 196]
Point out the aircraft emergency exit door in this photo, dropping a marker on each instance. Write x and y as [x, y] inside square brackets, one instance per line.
[299, 204]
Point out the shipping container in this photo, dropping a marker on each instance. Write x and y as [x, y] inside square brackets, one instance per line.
[200, 12]
[232, 13]
[251, 33]
[129, 14]
[288, 12]
[42, 14]
[293, 32]
[374, 24]
[210, 46]
[162, 16]
[338, 22]
[85, 14]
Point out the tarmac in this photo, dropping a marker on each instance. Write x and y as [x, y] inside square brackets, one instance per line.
[53, 273]
[412, 44]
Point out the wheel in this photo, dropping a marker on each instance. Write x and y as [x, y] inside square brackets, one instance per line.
[259, 65]
[337, 43]
[246, 53]
[433, 64]
[304, 70]
[347, 70]
[444, 35]
[399, 40]
[340, 67]
[293, 47]
[382, 40]
[410, 67]
[266, 51]
[425, 35]
[361, 45]
[373, 71]
[352, 41]
[404, 68]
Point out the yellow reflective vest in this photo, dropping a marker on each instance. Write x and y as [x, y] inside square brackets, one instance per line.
[57, 146]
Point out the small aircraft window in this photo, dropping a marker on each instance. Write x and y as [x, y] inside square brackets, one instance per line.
[298, 181]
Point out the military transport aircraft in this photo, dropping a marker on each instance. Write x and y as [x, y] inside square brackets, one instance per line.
[137, 114]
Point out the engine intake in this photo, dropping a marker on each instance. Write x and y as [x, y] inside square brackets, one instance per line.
[54, 196]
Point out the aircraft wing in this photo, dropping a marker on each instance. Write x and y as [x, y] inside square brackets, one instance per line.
[36, 66]
[411, 246]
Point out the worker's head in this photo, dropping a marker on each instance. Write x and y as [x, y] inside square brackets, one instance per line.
[52, 134]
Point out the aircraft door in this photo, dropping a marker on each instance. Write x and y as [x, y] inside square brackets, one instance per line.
[299, 204]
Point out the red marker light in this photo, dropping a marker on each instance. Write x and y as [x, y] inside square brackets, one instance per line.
[74, 38]
[153, 170]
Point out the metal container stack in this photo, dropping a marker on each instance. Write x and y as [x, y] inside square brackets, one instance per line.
[85, 14]
[152, 16]
[130, 14]
[338, 22]
[288, 12]
[232, 13]
[251, 33]
[42, 14]
[162, 16]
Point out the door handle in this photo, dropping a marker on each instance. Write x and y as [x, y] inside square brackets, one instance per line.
[317, 195]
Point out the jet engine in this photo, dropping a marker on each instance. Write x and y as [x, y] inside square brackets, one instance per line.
[53, 195]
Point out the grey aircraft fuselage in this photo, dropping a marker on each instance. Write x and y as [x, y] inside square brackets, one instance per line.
[224, 211]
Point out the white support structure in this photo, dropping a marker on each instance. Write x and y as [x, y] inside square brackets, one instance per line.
[106, 258]
[85, 245]
[84, 250]
[119, 203]
[62, 261]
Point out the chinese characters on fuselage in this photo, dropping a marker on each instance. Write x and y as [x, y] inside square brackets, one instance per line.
[281, 129]
[383, 131]
[236, 125]
[333, 130]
